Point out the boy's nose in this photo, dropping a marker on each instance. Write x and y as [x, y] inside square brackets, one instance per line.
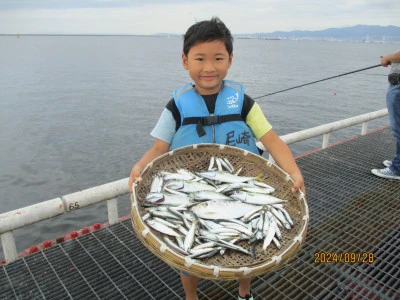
[209, 67]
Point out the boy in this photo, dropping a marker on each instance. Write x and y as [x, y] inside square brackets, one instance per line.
[214, 110]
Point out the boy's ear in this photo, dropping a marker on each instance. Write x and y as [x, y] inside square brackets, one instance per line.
[185, 61]
[230, 59]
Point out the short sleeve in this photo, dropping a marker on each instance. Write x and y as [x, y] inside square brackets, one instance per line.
[257, 121]
[165, 127]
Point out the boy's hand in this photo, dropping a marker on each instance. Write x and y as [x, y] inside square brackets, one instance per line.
[135, 175]
[298, 183]
[160, 147]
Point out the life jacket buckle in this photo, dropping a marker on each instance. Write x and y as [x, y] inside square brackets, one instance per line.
[210, 120]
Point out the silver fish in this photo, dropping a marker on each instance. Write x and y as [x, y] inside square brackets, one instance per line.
[247, 216]
[211, 253]
[171, 191]
[175, 212]
[178, 176]
[221, 209]
[188, 173]
[253, 216]
[235, 221]
[175, 200]
[153, 197]
[263, 184]
[276, 242]
[256, 198]
[260, 190]
[179, 240]
[240, 228]
[260, 224]
[174, 246]
[269, 235]
[146, 216]
[204, 245]
[286, 214]
[229, 166]
[163, 214]
[254, 223]
[209, 195]
[233, 246]
[226, 188]
[224, 231]
[259, 235]
[169, 224]
[224, 176]
[161, 227]
[183, 230]
[212, 161]
[156, 184]
[278, 234]
[210, 224]
[219, 165]
[266, 222]
[189, 239]
[201, 252]
[189, 186]
[238, 171]
[279, 215]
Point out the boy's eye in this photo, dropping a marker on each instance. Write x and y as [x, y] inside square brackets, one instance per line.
[199, 59]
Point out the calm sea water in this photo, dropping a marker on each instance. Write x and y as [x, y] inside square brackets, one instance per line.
[76, 111]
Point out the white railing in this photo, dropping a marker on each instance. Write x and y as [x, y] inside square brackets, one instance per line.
[326, 129]
[109, 192]
[52, 208]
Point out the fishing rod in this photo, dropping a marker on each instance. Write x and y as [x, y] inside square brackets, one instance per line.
[355, 71]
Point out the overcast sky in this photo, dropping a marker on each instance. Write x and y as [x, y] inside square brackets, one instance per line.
[175, 16]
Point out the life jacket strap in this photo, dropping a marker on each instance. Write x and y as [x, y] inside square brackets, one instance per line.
[212, 120]
[209, 120]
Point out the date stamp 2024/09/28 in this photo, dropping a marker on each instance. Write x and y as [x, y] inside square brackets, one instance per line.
[344, 257]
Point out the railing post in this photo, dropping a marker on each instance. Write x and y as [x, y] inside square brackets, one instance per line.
[364, 128]
[9, 247]
[325, 141]
[112, 208]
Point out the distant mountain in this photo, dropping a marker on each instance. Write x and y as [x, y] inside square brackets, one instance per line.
[363, 33]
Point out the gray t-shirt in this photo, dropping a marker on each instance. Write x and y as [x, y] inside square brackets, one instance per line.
[395, 68]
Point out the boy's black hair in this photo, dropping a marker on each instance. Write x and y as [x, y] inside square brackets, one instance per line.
[207, 31]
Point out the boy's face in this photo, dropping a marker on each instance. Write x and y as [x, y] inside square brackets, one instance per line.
[208, 64]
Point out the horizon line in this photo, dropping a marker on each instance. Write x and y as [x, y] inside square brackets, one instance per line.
[180, 34]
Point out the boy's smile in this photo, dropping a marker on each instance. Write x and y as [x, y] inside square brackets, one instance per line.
[208, 64]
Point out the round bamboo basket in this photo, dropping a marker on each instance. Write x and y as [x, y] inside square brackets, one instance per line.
[232, 265]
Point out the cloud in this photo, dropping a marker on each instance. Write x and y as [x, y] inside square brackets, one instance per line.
[63, 4]
[75, 4]
[175, 16]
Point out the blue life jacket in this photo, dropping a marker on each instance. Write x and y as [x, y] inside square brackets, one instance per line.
[225, 126]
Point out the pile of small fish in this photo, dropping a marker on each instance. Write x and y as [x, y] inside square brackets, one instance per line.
[203, 213]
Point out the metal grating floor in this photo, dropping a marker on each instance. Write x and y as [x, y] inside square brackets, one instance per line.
[351, 211]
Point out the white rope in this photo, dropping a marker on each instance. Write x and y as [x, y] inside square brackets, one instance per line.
[163, 247]
[298, 238]
[188, 262]
[277, 259]
[145, 232]
[246, 270]
[216, 271]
